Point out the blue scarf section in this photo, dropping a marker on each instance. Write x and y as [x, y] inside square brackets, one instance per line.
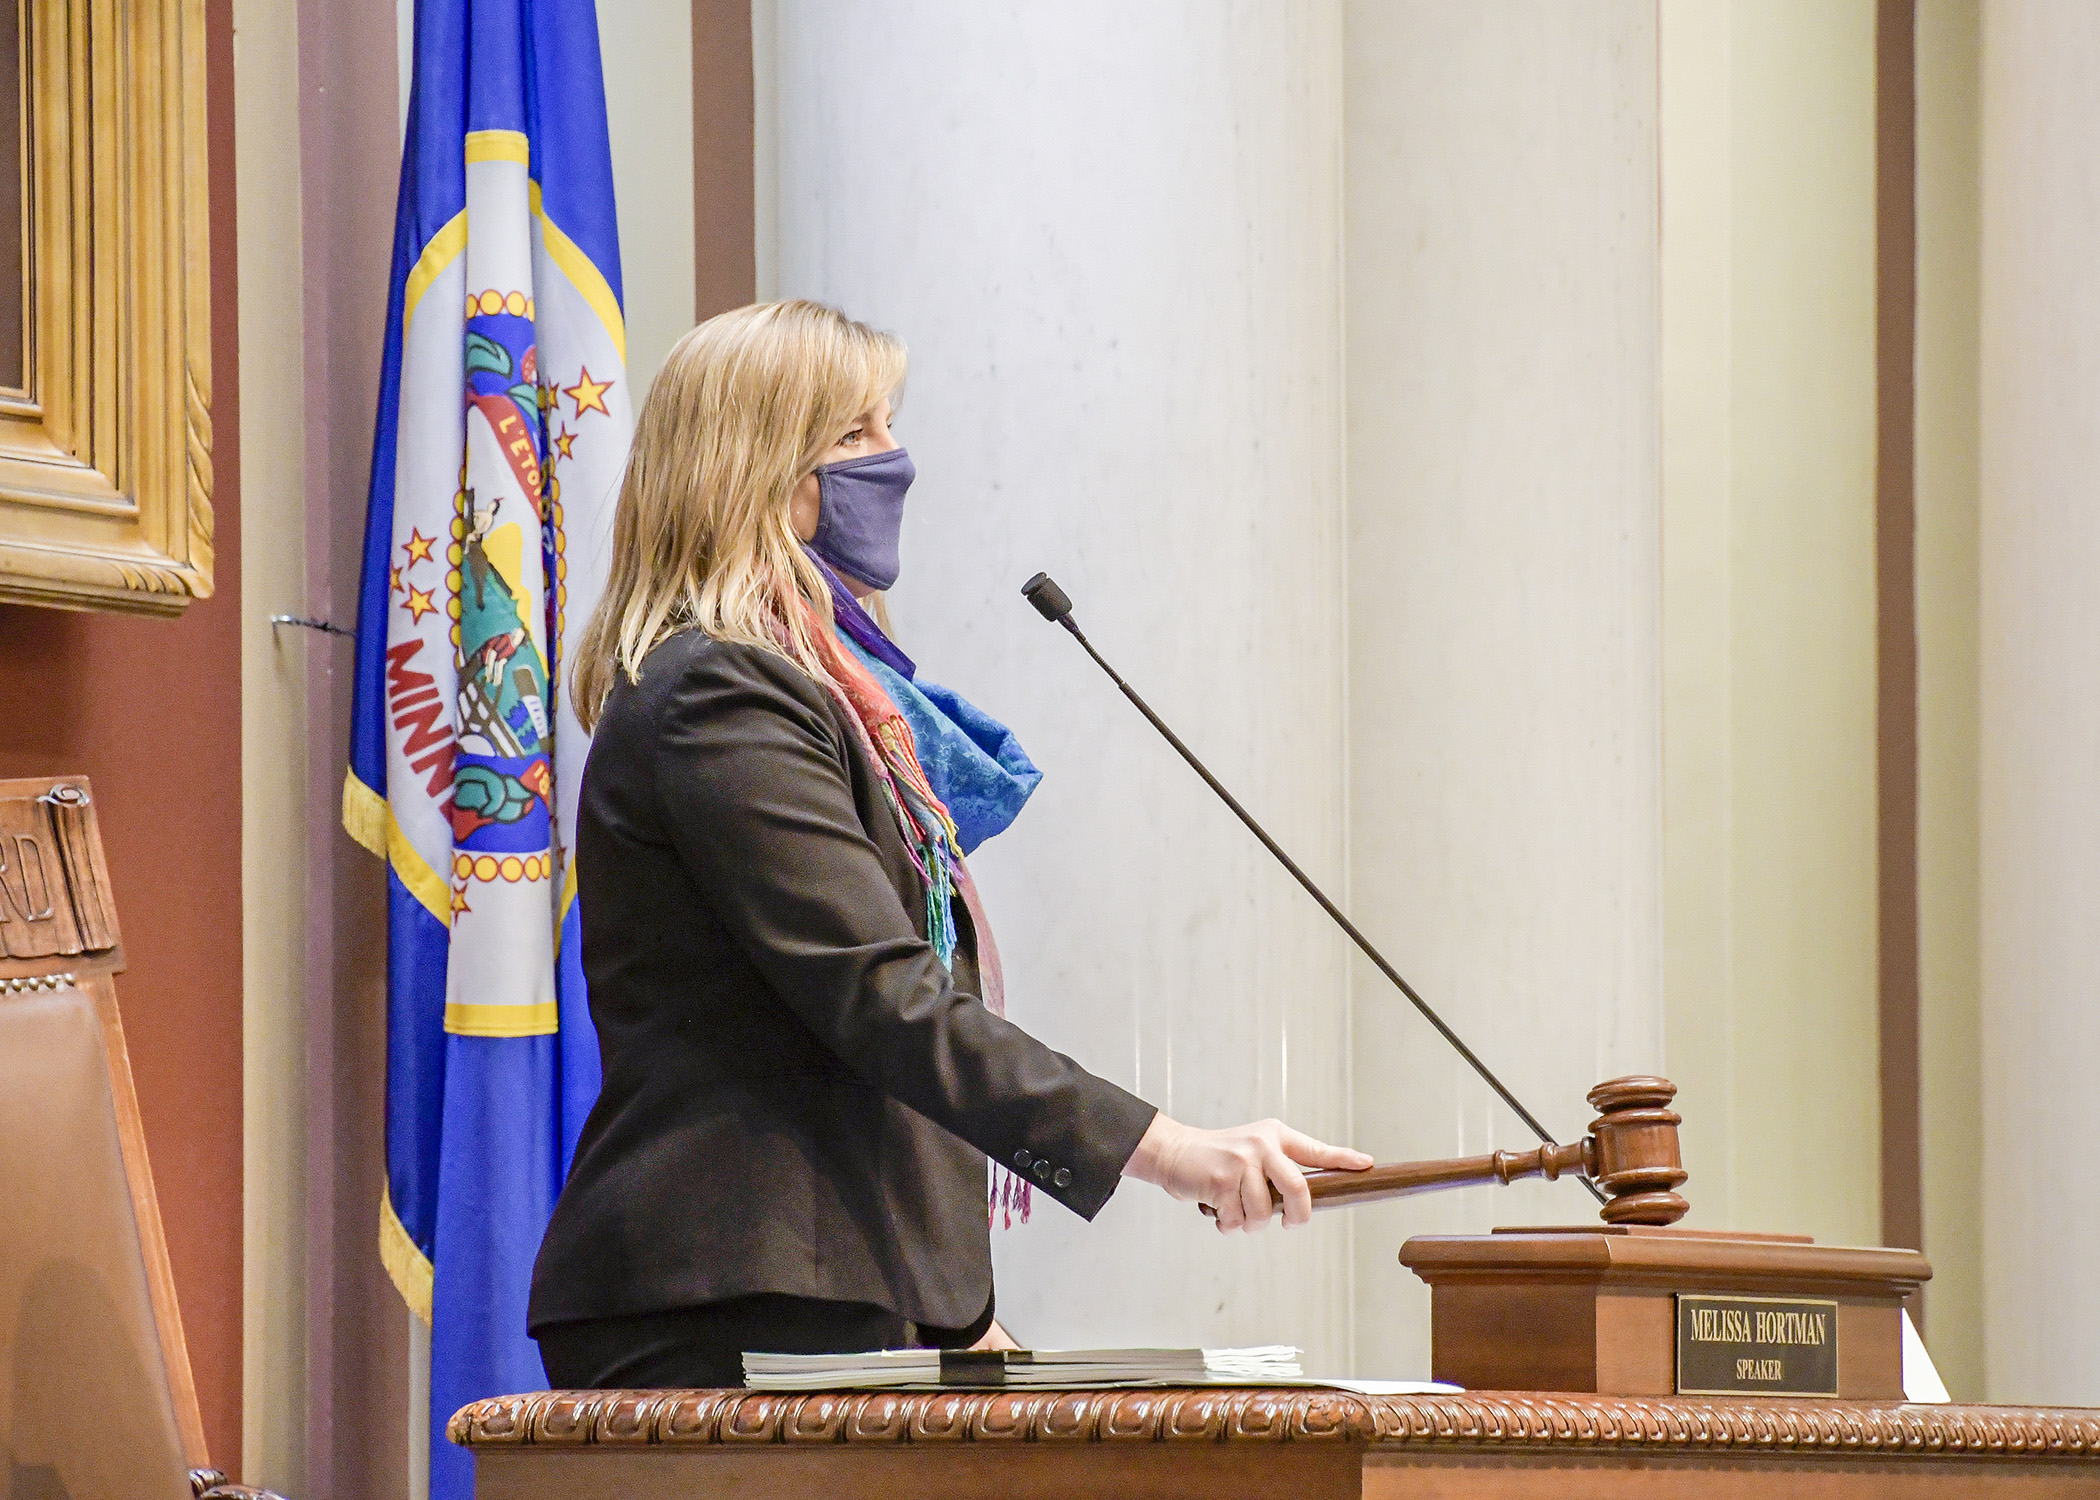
[976, 766]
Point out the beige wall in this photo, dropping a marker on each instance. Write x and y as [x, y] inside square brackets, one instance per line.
[1697, 422]
[648, 50]
[1768, 430]
[273, 743]
[1949, 43]
[2039, 673]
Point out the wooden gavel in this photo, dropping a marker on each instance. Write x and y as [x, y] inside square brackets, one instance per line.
[1630, 1152]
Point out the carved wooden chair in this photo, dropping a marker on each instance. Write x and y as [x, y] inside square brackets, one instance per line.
[96, 1396]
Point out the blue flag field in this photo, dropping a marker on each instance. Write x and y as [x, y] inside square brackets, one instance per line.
[504, 420]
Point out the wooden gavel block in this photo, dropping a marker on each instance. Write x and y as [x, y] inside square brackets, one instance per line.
[1630, 1152]
[1607, 1307]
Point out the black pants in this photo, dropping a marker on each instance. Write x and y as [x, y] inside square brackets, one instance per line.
[684, 1347]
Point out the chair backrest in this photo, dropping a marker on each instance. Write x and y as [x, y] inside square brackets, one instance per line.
[95, 1391]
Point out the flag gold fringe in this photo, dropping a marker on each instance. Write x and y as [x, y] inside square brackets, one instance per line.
[364, 814]
[367, 819]
[410, 1268]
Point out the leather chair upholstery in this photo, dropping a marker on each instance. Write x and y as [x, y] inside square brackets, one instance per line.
[85, 1404]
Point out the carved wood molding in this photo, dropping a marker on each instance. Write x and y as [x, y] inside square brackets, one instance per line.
[1481, 1419]
[56, 914]
[106, 453]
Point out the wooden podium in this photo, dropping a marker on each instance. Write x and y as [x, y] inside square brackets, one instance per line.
[1300, 1444]
[1597, 1308]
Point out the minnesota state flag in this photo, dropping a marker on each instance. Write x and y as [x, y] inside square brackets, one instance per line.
[504, 420]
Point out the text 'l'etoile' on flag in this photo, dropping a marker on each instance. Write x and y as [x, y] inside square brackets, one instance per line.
[504, 419]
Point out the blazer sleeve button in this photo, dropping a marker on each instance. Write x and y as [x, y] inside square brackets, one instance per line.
[1042, 1171]
[1021, 1161]
[1062, 1177]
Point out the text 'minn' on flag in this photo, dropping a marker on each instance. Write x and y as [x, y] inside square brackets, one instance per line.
[504, 418]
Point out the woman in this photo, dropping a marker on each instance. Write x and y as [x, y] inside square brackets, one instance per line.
[787, 964]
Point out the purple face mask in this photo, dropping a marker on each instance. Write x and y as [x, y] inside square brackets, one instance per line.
[860, 514]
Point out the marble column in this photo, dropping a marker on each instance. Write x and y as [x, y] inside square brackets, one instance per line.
[1111, 236]
[1504, 584]
[2040, 697]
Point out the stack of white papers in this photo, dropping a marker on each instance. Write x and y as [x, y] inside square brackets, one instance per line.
[1269, 1364]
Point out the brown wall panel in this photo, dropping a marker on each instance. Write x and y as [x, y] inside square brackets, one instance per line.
[725, 265]
[1895, 528]
[150, 709]
[356, 1324]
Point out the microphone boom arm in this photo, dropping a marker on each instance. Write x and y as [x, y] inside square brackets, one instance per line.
[1054, 604]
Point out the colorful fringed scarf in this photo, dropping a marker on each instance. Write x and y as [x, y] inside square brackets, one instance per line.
[929, 831]
[887, 737]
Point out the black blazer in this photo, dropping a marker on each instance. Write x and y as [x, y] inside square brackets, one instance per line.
[798, 1098]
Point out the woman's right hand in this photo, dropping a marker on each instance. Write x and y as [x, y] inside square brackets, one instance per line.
[1229, 1171]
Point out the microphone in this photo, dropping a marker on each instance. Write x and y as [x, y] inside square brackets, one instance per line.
[1055, 605]
[1050, 601]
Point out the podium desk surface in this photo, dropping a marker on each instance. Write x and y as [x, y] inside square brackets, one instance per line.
[1307, 1444]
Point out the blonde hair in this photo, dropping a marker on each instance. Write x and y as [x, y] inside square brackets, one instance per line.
[741, 410]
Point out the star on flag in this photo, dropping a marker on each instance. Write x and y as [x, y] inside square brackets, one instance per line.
[418, 547]
[419, 604]
[588, 394]
[564, 443]
[459, 899]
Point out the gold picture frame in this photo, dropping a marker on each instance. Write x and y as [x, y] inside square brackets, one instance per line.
[105, 446]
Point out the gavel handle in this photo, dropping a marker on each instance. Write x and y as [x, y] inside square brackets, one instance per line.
[1340, 1189]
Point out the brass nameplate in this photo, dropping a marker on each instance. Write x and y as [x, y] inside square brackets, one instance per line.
[1756, 1346]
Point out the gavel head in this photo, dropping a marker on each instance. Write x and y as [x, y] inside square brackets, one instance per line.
[1634, 1151]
